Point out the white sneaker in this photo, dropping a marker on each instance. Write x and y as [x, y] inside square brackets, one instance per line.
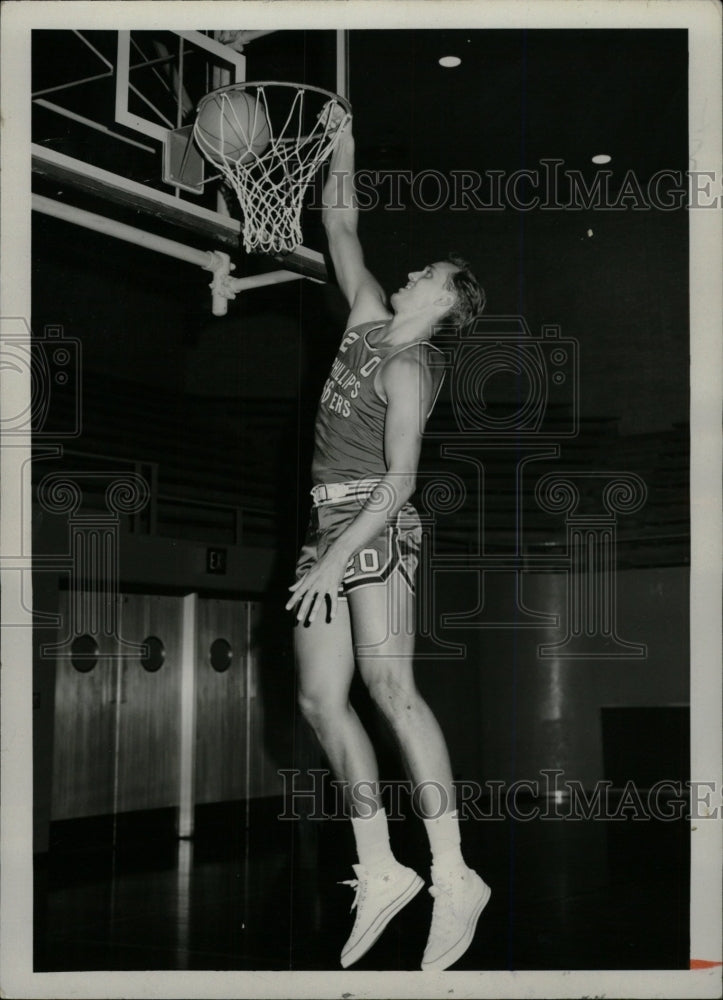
[380, 895]
[458, 902]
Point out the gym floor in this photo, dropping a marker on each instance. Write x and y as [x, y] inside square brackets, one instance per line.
[585, 894]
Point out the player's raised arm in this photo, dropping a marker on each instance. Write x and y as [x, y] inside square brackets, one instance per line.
[340, 215]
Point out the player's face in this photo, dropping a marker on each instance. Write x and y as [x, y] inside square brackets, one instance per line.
[426, 289]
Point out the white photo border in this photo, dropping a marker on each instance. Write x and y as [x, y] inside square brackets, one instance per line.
[703, 22]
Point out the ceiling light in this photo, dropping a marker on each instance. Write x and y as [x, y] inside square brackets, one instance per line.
[449, 61]
[601, 158]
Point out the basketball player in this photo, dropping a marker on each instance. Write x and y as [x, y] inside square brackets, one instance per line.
[354, 593]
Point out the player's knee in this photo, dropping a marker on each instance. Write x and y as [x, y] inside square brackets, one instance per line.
[319, 711]
[309, 706]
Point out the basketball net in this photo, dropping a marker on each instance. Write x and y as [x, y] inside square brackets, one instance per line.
[270, 185]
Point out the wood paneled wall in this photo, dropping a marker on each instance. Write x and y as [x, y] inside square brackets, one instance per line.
[119, 742]
[221, 703]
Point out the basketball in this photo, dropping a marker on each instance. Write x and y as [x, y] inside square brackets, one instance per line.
[232, 126]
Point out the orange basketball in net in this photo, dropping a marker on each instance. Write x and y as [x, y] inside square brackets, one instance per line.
[232, 126]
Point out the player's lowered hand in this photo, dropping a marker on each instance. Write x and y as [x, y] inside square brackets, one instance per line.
[309, 593]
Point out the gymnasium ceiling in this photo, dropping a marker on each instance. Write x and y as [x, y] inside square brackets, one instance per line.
[518, 97]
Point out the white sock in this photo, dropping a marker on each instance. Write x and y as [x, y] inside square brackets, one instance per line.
[371, 834]
[444, 842]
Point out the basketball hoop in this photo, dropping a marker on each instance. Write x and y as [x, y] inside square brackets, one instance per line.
[268, 139]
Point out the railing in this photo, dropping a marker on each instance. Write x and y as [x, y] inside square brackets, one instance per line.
[211, 464]
[164, 515]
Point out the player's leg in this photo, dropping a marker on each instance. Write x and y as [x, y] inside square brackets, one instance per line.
[325, 664]
[325, 667]
[325, 658]
[383, 621]
[383, 618]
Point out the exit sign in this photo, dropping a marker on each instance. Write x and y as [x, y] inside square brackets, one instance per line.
[216, 561]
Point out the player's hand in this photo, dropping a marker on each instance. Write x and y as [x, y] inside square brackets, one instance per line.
[333, 116]
[309, 593]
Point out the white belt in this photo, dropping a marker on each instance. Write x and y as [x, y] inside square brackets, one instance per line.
[335, 492]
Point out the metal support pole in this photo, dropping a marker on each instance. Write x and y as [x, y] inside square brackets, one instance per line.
[209, 260]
